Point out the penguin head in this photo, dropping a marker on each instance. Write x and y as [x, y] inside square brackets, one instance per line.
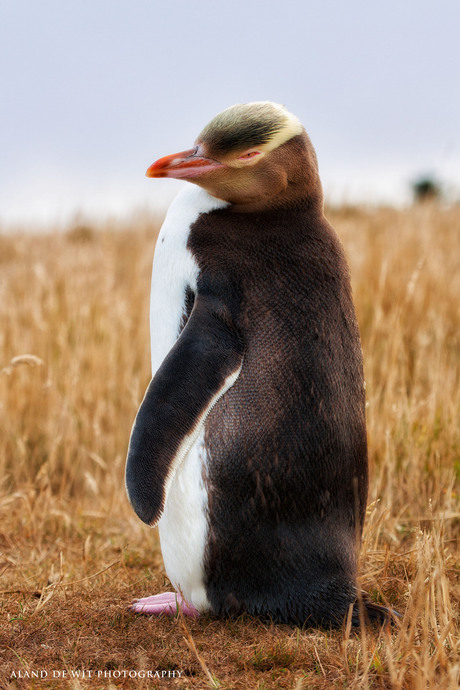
[253, 155]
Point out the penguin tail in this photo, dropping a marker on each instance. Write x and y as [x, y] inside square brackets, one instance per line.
[372, 613]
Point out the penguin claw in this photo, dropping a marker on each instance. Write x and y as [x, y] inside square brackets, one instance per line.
[167, 603]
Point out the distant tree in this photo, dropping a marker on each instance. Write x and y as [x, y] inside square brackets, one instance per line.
[426, 188]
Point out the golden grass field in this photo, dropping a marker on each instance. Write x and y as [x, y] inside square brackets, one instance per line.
[74, 364]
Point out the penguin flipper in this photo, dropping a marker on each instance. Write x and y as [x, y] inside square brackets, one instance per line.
[202, 365]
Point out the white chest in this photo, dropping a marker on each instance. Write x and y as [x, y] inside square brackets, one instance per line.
[174, 269]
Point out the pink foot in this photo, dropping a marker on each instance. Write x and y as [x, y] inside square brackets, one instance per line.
[167, 603]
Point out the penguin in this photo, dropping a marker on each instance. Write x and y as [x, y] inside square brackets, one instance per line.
[249, 449]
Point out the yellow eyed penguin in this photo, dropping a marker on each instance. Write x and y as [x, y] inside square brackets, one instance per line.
[249, 449]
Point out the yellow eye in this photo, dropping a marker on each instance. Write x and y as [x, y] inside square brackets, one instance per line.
[248, 155]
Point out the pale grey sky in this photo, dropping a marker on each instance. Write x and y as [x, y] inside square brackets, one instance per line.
[93, 92]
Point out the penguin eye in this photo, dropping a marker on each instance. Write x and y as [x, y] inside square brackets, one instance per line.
[248, 155]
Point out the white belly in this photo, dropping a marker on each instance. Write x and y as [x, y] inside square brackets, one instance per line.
[183, 528]
[183, 525]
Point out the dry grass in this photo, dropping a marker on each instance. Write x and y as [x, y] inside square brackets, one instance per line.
[72, 552]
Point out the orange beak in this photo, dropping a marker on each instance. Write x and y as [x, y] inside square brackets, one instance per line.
[182, 165]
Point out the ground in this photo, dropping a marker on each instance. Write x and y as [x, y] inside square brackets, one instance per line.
[74, 364]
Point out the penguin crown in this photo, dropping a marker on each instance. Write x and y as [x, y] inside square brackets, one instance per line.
[261, 124]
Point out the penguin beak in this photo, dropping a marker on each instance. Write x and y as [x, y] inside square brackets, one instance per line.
[182, 165]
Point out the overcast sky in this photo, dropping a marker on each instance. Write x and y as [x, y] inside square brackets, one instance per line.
[93, 92]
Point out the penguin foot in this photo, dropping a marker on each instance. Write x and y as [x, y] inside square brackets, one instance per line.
[168, 603]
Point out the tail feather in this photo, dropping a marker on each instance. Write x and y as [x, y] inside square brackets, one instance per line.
[373, 613]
